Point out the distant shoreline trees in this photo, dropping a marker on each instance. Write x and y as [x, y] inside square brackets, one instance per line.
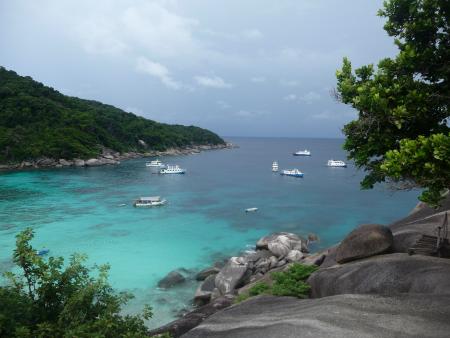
[402, 133]
[38, 121]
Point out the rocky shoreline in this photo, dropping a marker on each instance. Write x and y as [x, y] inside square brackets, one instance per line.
[110, 157]
[372, 264]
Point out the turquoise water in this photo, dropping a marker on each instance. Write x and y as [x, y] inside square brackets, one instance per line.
[78, 210]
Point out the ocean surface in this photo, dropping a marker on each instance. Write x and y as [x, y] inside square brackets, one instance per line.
[81, 210]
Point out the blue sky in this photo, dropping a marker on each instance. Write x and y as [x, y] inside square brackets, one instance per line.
[239, 68]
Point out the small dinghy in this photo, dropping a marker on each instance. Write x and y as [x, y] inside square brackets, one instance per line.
[42, 252]
[251, 209]
[153, 201]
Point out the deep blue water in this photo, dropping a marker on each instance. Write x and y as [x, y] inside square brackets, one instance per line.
[77, 210]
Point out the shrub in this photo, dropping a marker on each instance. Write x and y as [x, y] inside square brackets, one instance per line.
[292, 282]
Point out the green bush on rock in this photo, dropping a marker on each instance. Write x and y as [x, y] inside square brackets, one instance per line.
[285, 283]
[49, 298]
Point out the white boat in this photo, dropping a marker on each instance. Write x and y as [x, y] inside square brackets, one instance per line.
[251, 209]
[292, 172]
[336, 163]
[155, 163]
[302, 153]
[172, 169]
[275, 166]
[152, 201]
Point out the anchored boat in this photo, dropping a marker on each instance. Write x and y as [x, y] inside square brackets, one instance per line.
[275, 166]
[336, 163]
[155, 163]
[152, 201]
[302, 153]
[251, 209]
[172, 169]
[292, 172]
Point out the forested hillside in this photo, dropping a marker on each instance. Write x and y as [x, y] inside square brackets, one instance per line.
[38, 121]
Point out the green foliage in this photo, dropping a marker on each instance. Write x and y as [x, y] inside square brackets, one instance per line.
[292, 282]
[37, 121]
[285, 283]
[51, 299]
[401, 134]
[258, 289]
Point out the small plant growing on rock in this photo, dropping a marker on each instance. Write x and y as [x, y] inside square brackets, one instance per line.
[292, 282]
[257, 289]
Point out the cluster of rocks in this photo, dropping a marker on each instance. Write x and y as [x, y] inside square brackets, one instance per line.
[369, 272]
[109, 157]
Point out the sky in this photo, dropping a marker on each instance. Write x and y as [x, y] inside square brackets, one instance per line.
[238, 68]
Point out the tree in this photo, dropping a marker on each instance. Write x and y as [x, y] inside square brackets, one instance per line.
[51, 299]
[402, 133]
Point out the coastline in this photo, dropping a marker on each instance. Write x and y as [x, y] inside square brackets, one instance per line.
[111, 157]
[373, 262]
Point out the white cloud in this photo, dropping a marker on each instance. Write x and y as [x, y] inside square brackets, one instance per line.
[212, 82]
[252, 34]
[290, 97]
[157, 70]
[223, 105]
[258, 79]
[310, 97]
[250, 113]
[289, 83]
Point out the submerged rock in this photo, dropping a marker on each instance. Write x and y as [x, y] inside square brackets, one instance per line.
[384, 274]
[340, 316]
[365, 241]
[173, 278]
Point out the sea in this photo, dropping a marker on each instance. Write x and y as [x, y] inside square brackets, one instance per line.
[90, 211]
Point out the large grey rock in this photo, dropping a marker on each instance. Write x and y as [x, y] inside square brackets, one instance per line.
[294, 256]
[193, 318]
[203, 274]
[295, 242]
[205, 290]
[231, 275]
[343, 316]
[64, 162]
[173, 278]
[79, 163]
[384, 274]
[423, 220]
[365, 241]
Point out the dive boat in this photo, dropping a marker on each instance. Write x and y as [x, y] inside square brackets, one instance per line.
[152, 201]
[275, 166]
[172, 169]
[251, 209]
[292, 172]
[336, 163]
[155, 163]
[302, 153]
[42, 252]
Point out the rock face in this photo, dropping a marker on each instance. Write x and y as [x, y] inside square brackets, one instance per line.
[173, 278]
[384, 274]
[281, 239]
[365, 241]
[202, 275]
[205, 290]
[193, 318]
[231, 275]
[343, 316]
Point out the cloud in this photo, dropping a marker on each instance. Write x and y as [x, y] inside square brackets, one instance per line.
[250, 113]
[212, 82]
[223, 105]
[252, 34]
[310, 97]
[289, 83]
[157, 70]
[290, 97]
[258, 79]
[335, 116]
